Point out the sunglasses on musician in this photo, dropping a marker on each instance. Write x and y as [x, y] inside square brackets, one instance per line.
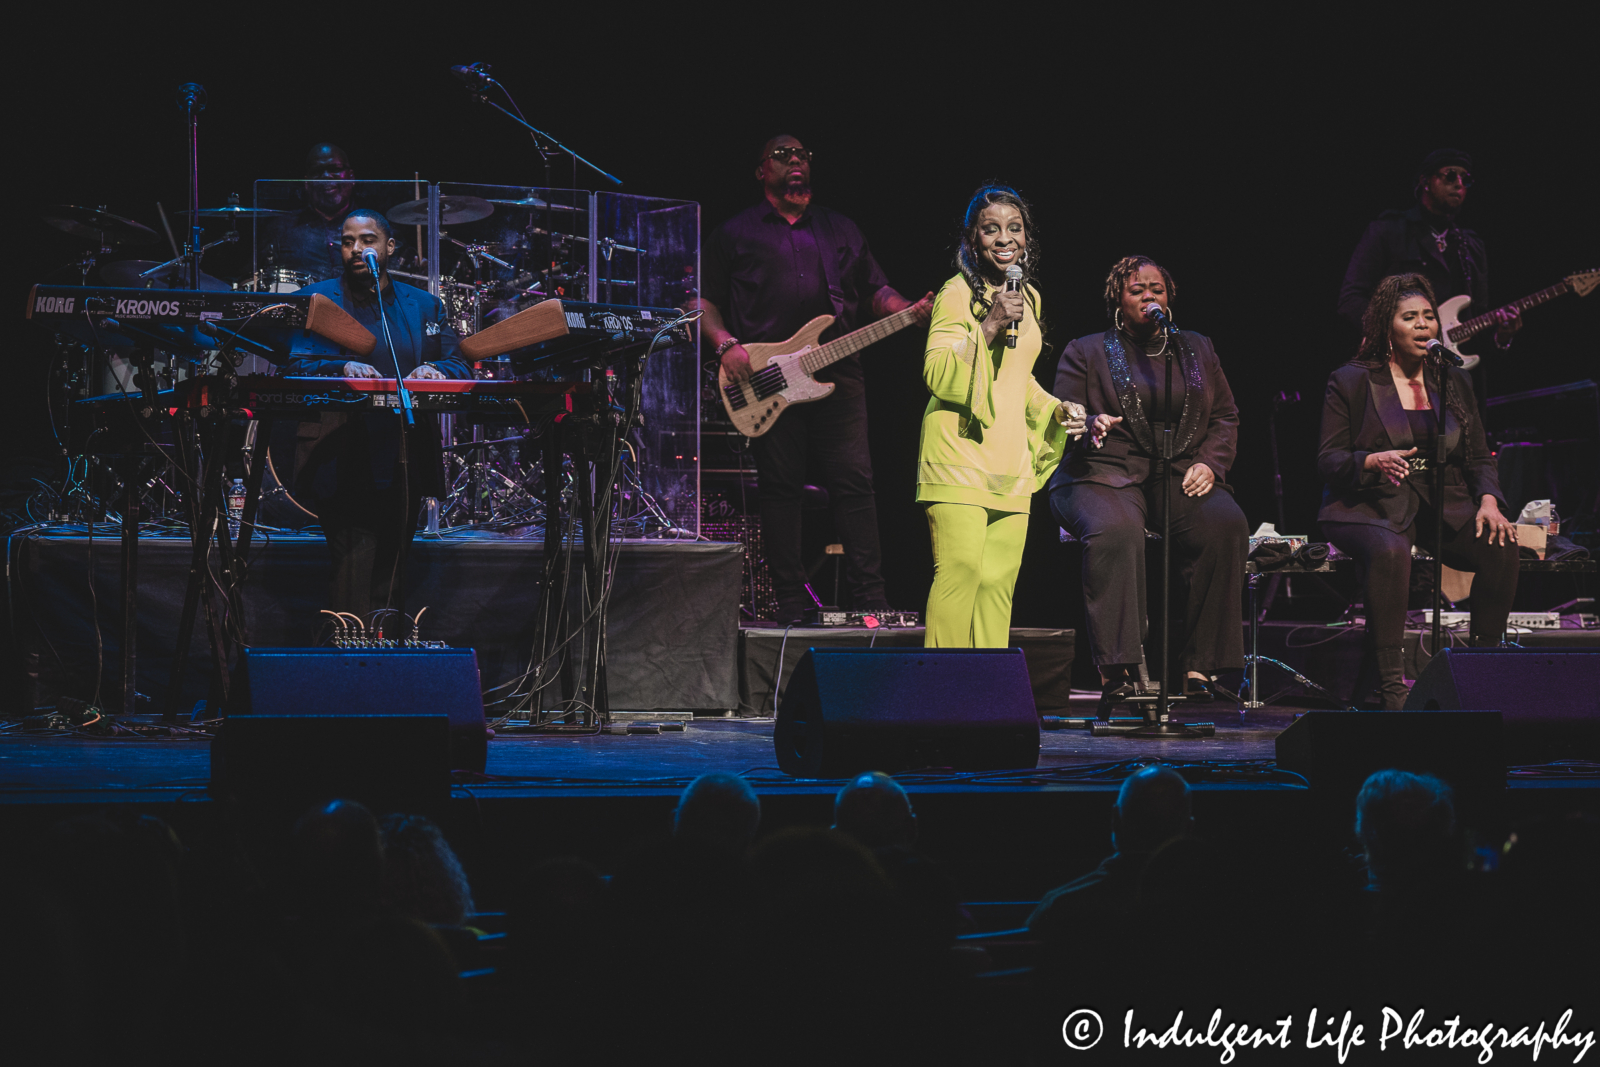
[790, 151]
[1455, 176]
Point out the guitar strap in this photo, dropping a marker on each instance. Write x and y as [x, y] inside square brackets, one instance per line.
[829, 249]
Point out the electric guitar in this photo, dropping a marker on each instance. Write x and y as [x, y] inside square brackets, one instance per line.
[1454, 331]
[782, 373]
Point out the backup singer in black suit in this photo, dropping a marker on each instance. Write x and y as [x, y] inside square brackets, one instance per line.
[1379, 421]
[348, 464]
[1106, 491]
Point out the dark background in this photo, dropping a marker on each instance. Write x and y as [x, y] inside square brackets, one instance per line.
[1245, 156]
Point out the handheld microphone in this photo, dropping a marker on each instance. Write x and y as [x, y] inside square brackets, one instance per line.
[1013, 283]
[474, 76]
[371, 261]
[1439, 355]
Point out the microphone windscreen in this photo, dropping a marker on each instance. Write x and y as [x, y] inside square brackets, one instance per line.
[1013, 273]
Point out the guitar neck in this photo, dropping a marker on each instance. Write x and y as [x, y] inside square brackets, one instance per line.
[856, 340]
[1478, 323]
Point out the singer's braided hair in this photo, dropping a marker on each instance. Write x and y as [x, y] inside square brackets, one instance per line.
[1378, 320]
[1125, 268]
[968, 257]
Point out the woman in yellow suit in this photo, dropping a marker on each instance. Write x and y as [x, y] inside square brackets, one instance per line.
[991, 435]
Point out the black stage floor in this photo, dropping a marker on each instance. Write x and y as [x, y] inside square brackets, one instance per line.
[37, 768]
[1001, 836]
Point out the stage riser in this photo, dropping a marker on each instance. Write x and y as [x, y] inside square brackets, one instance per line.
[672, 633]
[1331, 656]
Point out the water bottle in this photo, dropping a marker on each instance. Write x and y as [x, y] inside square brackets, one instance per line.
[235, 506]
[430, 512]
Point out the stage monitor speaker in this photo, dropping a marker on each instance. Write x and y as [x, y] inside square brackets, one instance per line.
[1337, 750]
[384, 726]
[379, 681]
[849, 710]
[1549, 697]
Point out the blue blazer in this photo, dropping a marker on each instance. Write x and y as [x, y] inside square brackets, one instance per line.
[343, 458]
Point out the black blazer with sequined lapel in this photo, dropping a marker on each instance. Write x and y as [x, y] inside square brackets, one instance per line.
[1208, 429]
[1362, 414]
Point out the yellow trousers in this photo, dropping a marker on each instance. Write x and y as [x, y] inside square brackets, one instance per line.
[976, 555]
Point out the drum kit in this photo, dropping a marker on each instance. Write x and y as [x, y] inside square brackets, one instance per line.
[493, 483]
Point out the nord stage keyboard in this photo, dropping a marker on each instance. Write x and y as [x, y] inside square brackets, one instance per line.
[262, 395]
[557, 333]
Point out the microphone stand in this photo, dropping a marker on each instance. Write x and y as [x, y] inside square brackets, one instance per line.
[541, 140]
[1438, 506]
[1156, 723]
[192, 98]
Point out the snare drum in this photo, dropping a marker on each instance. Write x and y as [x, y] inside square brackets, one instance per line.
[276, 280]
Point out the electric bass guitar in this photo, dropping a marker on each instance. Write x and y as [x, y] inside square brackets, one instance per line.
[1455, 331]
[782, 373]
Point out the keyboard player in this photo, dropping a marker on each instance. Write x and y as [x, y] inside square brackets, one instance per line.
[348, 463]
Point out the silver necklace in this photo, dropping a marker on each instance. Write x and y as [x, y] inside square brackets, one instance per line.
[1441, 238]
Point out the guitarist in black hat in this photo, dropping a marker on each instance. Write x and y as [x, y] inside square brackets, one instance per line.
[767, 272]
[1427, 239]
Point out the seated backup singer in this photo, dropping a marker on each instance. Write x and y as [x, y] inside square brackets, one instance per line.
[1379, 442]
[991, 435]
[349, 463]
[1107, 491]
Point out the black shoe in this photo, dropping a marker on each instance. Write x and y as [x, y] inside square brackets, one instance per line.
[1117, 687]
[1198, 690]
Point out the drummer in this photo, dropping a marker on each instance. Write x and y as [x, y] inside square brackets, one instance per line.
[308, 241]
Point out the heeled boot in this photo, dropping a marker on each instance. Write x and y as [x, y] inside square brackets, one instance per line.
[1117, 687]
[1392, 690]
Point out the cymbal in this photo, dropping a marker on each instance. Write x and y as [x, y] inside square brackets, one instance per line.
[97, 224]
[535, 202]
[124, 274]
[452, 210]
[237, 211]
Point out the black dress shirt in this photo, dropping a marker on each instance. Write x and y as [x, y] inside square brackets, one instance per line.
[769, 278]
[1403, 242]
[340, 457]
[308, 243]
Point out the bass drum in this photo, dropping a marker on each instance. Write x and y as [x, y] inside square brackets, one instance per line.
[278, 506]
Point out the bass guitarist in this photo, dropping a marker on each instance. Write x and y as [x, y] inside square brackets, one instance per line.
[767, 272]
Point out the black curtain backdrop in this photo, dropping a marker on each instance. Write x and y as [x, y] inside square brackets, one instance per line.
[1246, 156]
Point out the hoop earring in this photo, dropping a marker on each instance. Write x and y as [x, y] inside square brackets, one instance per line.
[1170, 319]
[1024, 255]
[1116, 318]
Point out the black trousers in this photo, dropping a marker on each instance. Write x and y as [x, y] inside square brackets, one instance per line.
[1210, 540]
[368, 548]
[1385, 561]
[828, 438]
